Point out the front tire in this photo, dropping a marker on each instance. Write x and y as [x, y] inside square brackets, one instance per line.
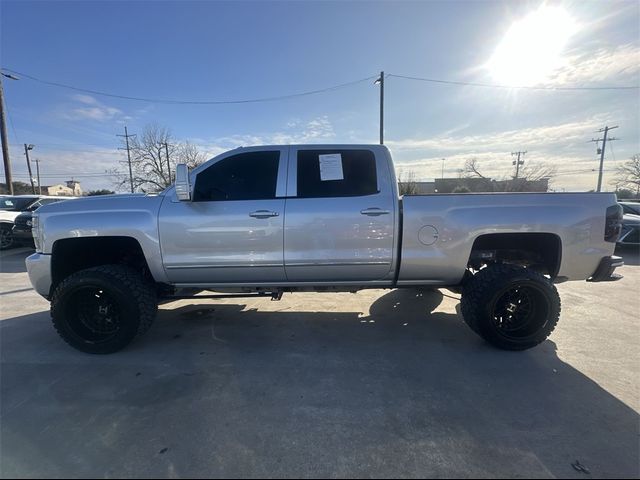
[7, 239]
[512, 308]
[103, 309]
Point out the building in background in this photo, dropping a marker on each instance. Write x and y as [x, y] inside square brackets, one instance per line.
[72, 188]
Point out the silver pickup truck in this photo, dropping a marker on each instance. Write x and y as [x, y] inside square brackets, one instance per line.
[267, 220]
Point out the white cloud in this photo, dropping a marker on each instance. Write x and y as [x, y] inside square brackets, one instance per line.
[87, 165]
[619, 64]
[563, 146]
[316, 130]
[86, 99]
[92, 109]
[561, 134]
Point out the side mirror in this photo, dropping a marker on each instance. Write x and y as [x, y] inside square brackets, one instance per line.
[183, 187]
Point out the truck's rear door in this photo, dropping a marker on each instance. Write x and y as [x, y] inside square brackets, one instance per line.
[339, 216]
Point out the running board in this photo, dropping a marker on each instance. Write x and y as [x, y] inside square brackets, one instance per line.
[275, 296]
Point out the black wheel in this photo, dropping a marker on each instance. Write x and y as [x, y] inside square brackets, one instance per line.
[6, 237]
[102, 309]
[511, 307]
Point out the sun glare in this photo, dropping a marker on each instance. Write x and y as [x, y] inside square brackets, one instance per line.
[532, 47]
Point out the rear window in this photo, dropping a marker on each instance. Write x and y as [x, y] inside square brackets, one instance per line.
[15, 204]
[336, 173]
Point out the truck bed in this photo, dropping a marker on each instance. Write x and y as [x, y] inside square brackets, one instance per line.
[439, 230]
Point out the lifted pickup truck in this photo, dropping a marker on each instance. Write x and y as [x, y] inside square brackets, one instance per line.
[273, 219]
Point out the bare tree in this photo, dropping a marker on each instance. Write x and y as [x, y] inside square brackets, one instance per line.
[152, 170]
[407, 186]
[471, 169]
[628, 174]
[188, 153]
[528, 175]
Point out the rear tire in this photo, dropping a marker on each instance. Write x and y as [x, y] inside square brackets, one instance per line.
[103, 309]
[512, 308]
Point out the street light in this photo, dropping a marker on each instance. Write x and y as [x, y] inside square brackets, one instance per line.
[380, 81]
[26, 153]
[3, 135]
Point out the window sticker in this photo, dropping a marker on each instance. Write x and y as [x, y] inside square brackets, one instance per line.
[331, 167]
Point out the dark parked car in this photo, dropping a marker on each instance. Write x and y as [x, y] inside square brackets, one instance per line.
[21, 230]
[630, 234]
[11, 207]
[631, 208]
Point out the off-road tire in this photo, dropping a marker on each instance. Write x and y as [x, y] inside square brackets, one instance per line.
[485, 297]
[129, 294]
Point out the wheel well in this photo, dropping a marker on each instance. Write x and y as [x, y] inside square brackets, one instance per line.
[541, 252]
[73, 254]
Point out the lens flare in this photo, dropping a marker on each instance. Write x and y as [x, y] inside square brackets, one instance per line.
[532, 48]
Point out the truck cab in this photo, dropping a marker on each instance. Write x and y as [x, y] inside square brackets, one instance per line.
[279, 215]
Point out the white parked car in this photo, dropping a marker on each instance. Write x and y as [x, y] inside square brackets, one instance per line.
[13, 205]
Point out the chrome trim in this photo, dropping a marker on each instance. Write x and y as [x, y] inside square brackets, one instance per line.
[360, 284]
[374, 212]
[332, 264]
[283, 167]
[264, 214]
[252, 265]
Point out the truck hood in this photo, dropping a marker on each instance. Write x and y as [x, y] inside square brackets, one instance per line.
[118, 202]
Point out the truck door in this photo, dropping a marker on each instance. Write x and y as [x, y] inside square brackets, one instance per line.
[232, 230]
[340, 215]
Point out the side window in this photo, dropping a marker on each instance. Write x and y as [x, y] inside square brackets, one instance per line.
[246, 176]
[336, 173]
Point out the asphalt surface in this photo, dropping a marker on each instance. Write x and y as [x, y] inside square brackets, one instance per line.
[375, 384]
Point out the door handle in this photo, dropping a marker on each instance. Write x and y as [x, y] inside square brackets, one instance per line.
[374, 212]
[263, 214]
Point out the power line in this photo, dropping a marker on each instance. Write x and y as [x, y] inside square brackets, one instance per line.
[521, 87]
[55, 151]
[75, 174]
[311, 92]
[574, 172]
[80, 144]
[189, 102]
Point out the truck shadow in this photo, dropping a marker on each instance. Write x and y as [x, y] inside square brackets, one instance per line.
[12, 261]
[227, 390]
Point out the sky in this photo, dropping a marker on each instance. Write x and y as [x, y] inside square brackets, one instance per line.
[217, 51]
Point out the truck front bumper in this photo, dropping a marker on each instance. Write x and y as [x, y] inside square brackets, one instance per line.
[39, 269]
[604, 272]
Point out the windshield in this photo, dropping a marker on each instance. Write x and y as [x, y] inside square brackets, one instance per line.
[15, 204]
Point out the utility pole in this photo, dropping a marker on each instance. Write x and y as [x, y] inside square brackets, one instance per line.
[26, 152]
[37, 160]
[166, 150]
[126, 136]
[380, 80]
[604, 130]
[442, 176]
[3, 136]
[518, 162]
